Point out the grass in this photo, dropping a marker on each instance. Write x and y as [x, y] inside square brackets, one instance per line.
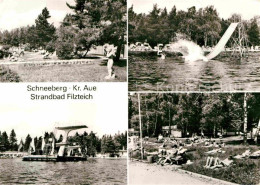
[7, 75]
[242, 171]
[92, 72]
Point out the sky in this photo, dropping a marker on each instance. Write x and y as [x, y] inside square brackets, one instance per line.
[105, 114]
[17, 13]
[247, 8]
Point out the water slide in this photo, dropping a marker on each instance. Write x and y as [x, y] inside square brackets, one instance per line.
[223, 41]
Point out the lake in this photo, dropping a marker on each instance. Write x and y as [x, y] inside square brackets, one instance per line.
[174, 74]
[93, 171]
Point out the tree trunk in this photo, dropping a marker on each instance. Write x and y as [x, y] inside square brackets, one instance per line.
[140, 125]
[156, 118]
[245, 119]
[118, 52]
[169, 123]
[205, 40]
[214, 131]
[148, 123]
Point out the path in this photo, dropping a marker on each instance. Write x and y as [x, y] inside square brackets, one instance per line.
[142, 173]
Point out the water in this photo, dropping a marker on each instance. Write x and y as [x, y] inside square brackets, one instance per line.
[93, 171]
[189, 50]
[173, 74]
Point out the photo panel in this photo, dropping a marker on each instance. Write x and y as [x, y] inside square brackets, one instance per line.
[194, 138]
[63, 41]
[194, 45]
[56, 141]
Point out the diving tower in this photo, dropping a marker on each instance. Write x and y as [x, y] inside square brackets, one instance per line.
[65, 151]
[64, 143]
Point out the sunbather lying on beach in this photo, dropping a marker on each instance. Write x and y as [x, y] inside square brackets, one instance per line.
[214, 163]
[243, 155]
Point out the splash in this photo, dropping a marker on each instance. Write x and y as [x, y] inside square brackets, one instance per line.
[191, 52]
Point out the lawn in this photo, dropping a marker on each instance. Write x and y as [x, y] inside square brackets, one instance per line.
[94, 71]
[242, 171]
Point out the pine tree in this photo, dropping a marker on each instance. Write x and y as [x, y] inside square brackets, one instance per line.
[5, 141]
[13, 141]
[253, 33]
[92, 23]
[28, 140]
[44, 30]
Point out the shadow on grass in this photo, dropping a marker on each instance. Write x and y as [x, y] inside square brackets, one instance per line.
[120, 63]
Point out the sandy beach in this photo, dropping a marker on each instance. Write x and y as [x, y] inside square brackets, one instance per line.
[142, 173]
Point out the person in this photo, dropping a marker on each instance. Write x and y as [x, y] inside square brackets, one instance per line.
[110, 54]
[217, 163]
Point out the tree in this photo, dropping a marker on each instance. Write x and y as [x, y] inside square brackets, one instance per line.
[5, 141]
[27, 142]
[13, 141]
[245, 118]
[253, 33]
[95, 22]
[44, 30]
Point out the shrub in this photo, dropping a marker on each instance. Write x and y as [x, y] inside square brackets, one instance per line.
[1, 54]
[50, 47]
[64, 50]
[6, 75]
[6, 47]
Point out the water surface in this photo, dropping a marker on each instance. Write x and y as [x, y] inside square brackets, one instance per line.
[173, 74]
[93, 171]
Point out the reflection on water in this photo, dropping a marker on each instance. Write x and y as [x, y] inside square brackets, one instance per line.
[176, 75]
[93, 171]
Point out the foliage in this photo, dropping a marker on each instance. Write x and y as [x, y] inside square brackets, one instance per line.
[44, 30]
[13, 141]
[6, 75]
[94, 22]
[27, 142]
[193, 113]
[253, 33]
[203, 26]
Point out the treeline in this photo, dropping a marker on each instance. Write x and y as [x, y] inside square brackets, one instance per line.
[42, 34]
[203, 26]
[91, 23]
[105, 144]
[195, 113]
[8, 142]
[94, 144]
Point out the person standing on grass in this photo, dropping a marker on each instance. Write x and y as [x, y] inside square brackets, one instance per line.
[110, 54]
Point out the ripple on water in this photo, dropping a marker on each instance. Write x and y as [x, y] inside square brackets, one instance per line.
[146, 74]
[93, 171]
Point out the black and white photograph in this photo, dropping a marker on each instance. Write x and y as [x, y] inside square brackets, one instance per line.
[63, 41]
[194, 45]
[63, 142]
[194, 138]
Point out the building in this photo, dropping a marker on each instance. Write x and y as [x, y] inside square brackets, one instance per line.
[175, 132]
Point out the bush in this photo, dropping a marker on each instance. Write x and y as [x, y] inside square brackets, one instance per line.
[6, 47]
[64, 50]
[4, 53]
[1, 54]
[6, 75]
[50, 47]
